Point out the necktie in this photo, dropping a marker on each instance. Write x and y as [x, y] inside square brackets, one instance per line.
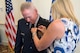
[32, 25]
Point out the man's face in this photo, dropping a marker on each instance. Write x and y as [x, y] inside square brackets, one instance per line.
[30, 15]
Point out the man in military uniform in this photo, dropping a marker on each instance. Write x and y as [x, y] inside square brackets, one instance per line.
[24, 41]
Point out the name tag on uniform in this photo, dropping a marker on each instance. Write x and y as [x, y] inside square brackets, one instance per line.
[22, 34]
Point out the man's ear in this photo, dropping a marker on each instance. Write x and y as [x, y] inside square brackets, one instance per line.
[36, 10]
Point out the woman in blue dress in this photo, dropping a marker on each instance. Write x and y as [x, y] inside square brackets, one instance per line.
[63, 33]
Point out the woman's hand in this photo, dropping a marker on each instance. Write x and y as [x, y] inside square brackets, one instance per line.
[42, 28]
[33, 30]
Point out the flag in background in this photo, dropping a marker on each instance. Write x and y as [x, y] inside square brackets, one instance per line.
[50, 18]
[28, 0]
[10, 28]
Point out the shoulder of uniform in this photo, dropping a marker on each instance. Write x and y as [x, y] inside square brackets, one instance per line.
[21, 19]
[47, 20]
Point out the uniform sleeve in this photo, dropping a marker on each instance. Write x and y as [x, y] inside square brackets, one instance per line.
[18, 44]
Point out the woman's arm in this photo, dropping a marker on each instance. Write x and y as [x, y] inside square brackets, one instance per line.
[54, 31]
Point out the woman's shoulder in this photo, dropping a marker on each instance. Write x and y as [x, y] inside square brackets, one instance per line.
[58, 27]
[57, 23]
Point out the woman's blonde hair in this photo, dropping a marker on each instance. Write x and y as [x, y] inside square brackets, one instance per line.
[63, 8]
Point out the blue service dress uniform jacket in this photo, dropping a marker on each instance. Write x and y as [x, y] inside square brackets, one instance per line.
[24, 41]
